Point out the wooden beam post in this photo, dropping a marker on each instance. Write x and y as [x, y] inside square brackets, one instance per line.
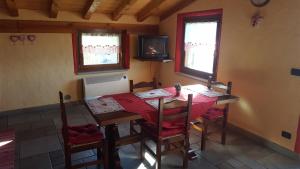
[12, 7]
[91, 8]
[148, 9]
[54, 8]
[124, 6]
[180, 5]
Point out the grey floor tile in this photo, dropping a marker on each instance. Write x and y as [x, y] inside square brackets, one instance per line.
[234, 163]
[40, 161]
[82, 155]
[50, 114]
[20, 127]
[57, 158]
[250, 162]
[216, 157]
[278, 161]
[23, 118]
[201, 162]
[3, 123]
[40, 145]
[225, 165]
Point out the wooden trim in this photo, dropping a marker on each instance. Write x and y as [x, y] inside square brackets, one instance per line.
[29, 26]
[12, 7]
[98, 67]
[54, 8]
[124, 6]
[211, 15]
[180, 5]
[148, 9]
[91, 8]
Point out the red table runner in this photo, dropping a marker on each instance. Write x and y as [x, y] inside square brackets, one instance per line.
[132, 103]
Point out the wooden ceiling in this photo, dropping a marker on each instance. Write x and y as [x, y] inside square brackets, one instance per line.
[142, 9]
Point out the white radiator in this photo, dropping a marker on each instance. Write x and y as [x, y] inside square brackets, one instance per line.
[105, 85]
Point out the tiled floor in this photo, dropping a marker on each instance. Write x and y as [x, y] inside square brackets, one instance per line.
[39, 146]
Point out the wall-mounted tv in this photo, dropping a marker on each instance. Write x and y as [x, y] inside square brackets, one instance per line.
[153, 47]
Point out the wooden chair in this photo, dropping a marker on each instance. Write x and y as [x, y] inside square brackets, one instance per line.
[139, 85]
[174, 139]
[214, 114]
[81, 138]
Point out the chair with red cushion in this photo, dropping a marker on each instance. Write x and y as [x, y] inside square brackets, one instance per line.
[132, 86]
[214, 114]
[80, 138]
[170, 130]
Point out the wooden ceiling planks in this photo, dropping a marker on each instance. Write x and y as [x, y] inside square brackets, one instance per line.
[178, 6]
[91, 8]
[148, 9]
[142, 9]
[12, 8]
[124, 6]
[42, 5]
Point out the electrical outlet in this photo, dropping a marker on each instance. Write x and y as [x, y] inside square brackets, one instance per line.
[286, 134]
[295, 71]
[67, 97]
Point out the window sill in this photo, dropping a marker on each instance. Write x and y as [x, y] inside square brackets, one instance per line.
[103, 72]
[192, 77]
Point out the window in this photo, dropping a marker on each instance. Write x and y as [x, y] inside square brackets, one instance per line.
[198, 38]
[99, 51]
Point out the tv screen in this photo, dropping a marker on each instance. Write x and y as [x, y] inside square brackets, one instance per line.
[153, 47]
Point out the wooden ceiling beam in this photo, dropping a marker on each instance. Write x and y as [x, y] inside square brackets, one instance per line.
[91, 8]
[54, 8]
[124, 6]
[12, 7]
[180, 5]
[29, 26]
[148, 9]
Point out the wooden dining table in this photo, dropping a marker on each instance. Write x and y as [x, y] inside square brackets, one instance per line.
[137, 108]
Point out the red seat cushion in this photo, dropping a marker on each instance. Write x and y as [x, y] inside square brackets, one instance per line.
[165, 132]
[84, 134]
[213, 113]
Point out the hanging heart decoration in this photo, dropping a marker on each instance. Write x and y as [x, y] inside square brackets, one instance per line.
[13, 38]
[31, 38]
[22, 38]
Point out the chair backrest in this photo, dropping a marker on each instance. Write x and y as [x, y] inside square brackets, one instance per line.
[183, 115]
[220, 86]
[63, 116]
[152, 84]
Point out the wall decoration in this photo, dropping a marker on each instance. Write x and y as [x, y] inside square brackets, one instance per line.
[256, 19]
[22, 38]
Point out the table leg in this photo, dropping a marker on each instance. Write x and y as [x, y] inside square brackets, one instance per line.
[112, 134]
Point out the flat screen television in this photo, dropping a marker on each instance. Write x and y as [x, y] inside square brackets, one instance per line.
[153, 47]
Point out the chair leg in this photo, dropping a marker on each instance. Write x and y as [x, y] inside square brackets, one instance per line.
[67, 159]
[131, 127]
[158, 155]
[142, 150]
[185, 153]
[99, 156]
[224, 128]
[204, 135]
